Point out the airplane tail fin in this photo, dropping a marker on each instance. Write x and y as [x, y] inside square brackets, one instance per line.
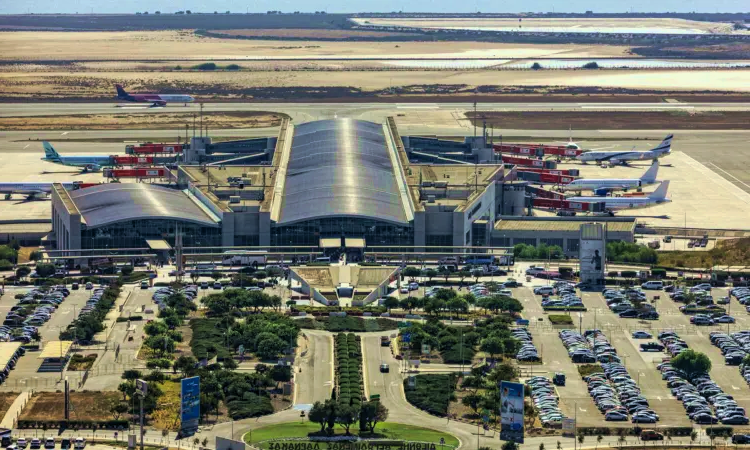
[50, 152]
[665, 146]
[120, 91]
[650, 175]
[661, 192]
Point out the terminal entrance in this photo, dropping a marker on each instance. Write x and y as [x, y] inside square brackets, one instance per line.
[346, 250]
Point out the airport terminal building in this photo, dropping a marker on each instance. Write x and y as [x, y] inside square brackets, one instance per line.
[339, 184]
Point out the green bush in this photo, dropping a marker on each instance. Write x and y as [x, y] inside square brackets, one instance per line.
[587, 369]
[629, 274]
[126, 270]
[232, 67]
[131, 319]
[621, 251]
[6, 265]
[206, 66]
[433, 393]
[564, 308]
[660, 273]
[560, 319]
[591, 65]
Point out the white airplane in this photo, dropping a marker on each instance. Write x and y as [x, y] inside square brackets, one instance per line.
[661, 150]
[612, 204]
[613, 184]
[571, 145]
[30, 190]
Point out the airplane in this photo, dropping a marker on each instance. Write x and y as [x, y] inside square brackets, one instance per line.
[571, 145]
[661, 150]
[31, 190]
[154, 99]
[612, 204]
[88, 163]
[613, 184]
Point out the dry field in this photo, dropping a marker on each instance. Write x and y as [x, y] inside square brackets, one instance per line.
[322, 84]
[615, 120]
[130, 121]
[311, 34]
[6, 399]
[177, 45]
[577, 24]
[86, 406]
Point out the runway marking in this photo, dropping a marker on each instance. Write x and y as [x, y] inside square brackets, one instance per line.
[27, 146]
[416, 107]
[639, 107]
[581, 409]
[63, 133]
[735, 388]
[658, 398]
[729, 174]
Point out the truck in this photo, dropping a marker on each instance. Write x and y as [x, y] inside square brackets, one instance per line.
[243, 258]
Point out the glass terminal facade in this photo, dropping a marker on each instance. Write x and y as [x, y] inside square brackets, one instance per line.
[134, 233]
[309, 233]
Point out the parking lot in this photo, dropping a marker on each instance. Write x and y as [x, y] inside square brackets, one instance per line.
[640, 365]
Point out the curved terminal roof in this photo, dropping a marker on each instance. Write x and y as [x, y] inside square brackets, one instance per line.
[110, 203]
[340, 168]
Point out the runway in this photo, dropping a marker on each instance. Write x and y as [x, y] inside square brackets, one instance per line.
[315, 111]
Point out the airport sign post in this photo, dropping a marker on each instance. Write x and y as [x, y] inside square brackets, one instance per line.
[190, 403]
[511, 412]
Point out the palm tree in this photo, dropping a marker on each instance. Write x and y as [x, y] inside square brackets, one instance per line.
[599, 438]
[581, 437]
[541, 446]
[693, 437]
[559, 445]
[621, 439]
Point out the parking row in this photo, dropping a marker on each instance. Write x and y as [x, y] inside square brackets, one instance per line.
[545, 400]
[703, 400]
[615, 392]
[733, 346]
[565, 292]
[742, 294]
[577, 346]
[630, 303]
[33, 309]
[528, 351]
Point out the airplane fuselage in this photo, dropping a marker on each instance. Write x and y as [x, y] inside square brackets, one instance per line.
[621, 156]
[620, 203]
[157, 99]
[87, 162]
[609, 184]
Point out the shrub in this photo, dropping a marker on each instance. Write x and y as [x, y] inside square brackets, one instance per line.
[587, 369]
[6, 265]
[560, 319]
[126, 270]
[233, 67]
[206, 66]
[536, 66]
[131, 319]
[591, 65]
[432, 392]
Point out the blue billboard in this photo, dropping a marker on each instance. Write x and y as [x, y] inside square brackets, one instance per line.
[511, 411]
[190, 403]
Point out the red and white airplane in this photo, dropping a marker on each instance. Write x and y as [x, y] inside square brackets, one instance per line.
[154, 99]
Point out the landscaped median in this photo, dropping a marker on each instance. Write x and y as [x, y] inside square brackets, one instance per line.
[387, 434]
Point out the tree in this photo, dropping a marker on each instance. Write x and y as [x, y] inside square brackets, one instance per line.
[445, 272]
[410, 272]
[693, 437]
[185, 365]
[22, 272]
[45, 270]
[492, 345]
[126, 270]
[692, 363]
[390, 303]
[509, 445]
[155, 328]
[581, 437]
[36, 255]
[270, 347]
[318, 414]
[430, 274]
[216, 275]
[536, 66]
[477, 273]
[599, 438]
[371, 413]
[117, 409]
[346, 415]
[473, 401]
[281, 374]
[541, 446]
[462, 275]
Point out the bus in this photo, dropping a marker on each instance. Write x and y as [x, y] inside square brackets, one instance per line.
[243, 258]
[480, 260]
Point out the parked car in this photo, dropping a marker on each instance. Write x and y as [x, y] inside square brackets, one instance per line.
[651, 435]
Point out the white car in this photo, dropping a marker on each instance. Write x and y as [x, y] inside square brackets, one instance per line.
[544, 290]
[404, 289]
[533, 270]
[413, 286]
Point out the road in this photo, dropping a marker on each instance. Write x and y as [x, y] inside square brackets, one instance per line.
[315, 382]
[303, 112]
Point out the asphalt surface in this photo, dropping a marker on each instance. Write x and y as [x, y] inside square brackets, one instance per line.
[314, 382]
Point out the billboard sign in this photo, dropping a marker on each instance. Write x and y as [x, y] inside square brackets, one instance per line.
[592, 253]
[425, 349]
[190, 403]
[511, 411]
[568, 427]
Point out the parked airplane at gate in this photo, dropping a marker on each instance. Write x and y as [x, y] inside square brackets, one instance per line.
[613, 184]
[612, 204]
[87, 163]
[661, 150]
[30, 190]
[154, 99]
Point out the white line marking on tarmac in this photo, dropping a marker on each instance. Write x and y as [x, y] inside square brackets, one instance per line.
[63, 133]
[730, 175]
[735, 388]
[658, 398]
[639, 107]
[27, 146]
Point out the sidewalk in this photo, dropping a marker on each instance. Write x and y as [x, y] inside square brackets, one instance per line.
[15, 410]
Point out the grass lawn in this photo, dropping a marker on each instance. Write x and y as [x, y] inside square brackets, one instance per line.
[386, 430]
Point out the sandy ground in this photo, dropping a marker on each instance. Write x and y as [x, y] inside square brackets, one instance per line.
[614, 25]
[176, 45]
[87, 84]
[126, 121]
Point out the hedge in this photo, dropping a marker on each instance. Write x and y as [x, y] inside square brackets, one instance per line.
[348, 356]
[74, 424]
[560, 319]
[433, 392]
[564, 308]
[131, 319]
[588, 369]
[339, 324]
